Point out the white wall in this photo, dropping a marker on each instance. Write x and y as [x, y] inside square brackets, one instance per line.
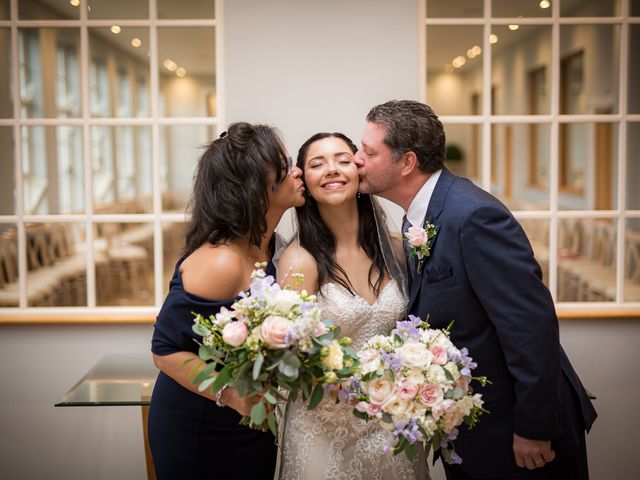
[306, 67]
[38, 363]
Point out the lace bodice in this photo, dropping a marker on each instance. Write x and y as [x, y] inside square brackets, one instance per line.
[358, 319]
[330, 442]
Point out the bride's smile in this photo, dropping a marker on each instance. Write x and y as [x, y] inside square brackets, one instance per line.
[330, 174]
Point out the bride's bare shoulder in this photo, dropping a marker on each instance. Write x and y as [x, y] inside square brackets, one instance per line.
[297, 260]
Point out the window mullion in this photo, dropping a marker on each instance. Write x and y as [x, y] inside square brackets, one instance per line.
[155, 155]
[554, 147]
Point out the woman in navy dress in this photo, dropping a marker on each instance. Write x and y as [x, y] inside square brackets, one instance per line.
[243, 185]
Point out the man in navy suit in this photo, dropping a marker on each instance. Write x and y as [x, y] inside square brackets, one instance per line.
[482, 275]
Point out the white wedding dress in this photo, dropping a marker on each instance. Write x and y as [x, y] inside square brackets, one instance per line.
[329, 442]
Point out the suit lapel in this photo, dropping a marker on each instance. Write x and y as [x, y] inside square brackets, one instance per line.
[436, 205]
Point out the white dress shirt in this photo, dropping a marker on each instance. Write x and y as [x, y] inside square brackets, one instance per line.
[420, 203]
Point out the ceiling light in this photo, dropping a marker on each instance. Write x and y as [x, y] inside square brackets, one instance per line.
[459, 61]
[136, 42]
[545, 4]
[514, 27]
[476, 50]
[448, 68]
[115, 29]
[181, 72]
[470, 54]
[170, 65]
[493, 38]
[74, 3]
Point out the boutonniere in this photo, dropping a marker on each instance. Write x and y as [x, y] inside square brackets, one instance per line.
[420, 241]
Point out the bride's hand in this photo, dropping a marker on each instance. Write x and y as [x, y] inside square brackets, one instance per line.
[243, 405]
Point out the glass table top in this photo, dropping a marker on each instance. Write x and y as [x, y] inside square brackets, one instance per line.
[116, 379]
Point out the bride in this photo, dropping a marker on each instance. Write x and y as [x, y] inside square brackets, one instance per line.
[344, 251]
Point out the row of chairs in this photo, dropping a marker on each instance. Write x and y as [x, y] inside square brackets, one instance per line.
[57, 263]
[587, 258]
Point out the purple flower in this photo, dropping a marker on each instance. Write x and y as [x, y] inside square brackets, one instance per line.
[305, 307]
[455, 459]
[408, 328]
[408, 430]
[467, 362]
[452, 435]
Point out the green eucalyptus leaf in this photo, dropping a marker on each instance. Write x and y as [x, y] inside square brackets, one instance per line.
[412, 451]
[222, 378]
[271, 420]
[257, 366]
[270, 398]
[360, 414]
[205, 373]
[316, 397]
[206, 384]
[427, 449]
[258, 413]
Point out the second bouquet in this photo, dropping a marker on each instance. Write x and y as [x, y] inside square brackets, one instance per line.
[272, 343]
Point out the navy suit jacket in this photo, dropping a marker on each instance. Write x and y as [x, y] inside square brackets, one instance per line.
[482, 275]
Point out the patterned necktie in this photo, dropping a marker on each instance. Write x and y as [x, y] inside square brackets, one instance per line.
[406, 224]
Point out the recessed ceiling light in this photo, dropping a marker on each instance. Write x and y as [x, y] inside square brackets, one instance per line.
[181, 72]
[115, 29]
[545, 4]
[493, 38]
[459, 61]
[170, 65]
[513, 27]
[136, 42]
[74, 3]
[476, 49]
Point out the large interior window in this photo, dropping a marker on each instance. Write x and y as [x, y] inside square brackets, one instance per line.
[540, 100]
[104, 107]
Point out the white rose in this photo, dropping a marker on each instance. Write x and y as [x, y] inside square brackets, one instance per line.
[430, 425]
[435, 374]
[371, 366]
[415, 376]
[394, 406]
[284, 300]
[415, 354]
[453, 370]
[333, 361]
[380, 390]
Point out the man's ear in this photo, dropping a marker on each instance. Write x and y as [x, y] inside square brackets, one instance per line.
[409, 162]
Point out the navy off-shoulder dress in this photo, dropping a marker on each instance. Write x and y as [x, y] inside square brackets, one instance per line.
[189, 435]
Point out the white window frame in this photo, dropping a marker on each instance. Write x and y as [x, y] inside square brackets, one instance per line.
[93, 313]
[486, 119]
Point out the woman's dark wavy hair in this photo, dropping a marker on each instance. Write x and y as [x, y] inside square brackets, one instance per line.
[231, 186]
[319, 241]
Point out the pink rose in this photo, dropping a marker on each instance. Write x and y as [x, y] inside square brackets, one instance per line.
[373, 409]
[235, 333]
[274, 331]
[463, 382]
[429, 394]
[439, 354]
[362, 407]
[407, 391]
[417, 236]
[437, 411]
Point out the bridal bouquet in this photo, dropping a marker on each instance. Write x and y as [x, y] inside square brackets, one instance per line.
[272, 343]
[415, 382]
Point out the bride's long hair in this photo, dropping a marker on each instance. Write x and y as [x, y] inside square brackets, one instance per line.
[319, 241]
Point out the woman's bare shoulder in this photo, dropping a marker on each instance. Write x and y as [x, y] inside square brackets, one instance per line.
[297, 260]
[214, 272]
